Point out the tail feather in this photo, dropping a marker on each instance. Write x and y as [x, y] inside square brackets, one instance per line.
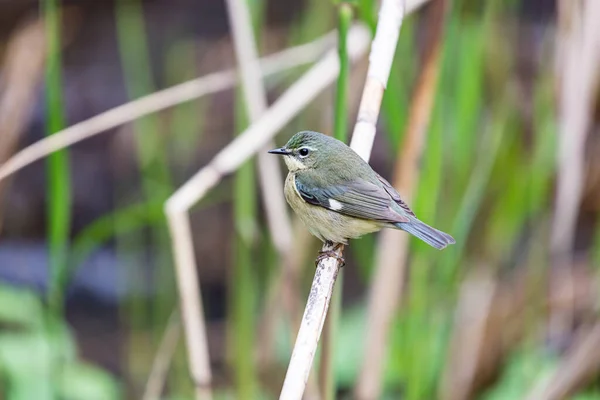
[426, 233]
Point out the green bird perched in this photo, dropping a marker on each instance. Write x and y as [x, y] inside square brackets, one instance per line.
[338, 196]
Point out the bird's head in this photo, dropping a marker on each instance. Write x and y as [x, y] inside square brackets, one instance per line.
[308, 149]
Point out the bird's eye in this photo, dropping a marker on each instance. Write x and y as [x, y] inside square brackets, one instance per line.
[303, 152]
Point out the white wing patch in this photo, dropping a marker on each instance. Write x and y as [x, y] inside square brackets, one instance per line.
[335, 205]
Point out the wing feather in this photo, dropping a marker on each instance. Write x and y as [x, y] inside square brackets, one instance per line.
[359, 199]
[395, 195]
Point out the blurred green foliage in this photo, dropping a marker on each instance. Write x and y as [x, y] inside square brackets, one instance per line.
[31, 355]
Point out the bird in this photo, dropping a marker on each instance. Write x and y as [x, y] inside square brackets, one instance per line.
[338, 196]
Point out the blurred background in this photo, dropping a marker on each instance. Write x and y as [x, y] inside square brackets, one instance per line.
[510, 166]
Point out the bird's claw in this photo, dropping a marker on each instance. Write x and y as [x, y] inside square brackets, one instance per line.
[329, 254]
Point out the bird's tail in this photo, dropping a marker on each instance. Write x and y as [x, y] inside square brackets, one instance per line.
[426, 233]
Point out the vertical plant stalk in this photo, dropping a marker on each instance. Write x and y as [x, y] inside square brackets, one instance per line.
[271, 181]
[578, 368]
[474, 310]
[579, 52]
[58, 206]
[241, 281]
[23, 69]
[164, 357]
[578, 74]
[340, 129]
[189, 295]
[255, 97]
[381, 56]
[135, 55]
[295, 99]
[152, 165]
[385, 290]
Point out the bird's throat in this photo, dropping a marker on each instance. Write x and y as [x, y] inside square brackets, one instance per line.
[293, 163]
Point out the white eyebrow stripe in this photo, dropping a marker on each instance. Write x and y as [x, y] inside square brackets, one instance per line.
[335, 205]
[309, 148]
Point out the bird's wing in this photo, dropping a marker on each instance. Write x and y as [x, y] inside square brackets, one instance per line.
[395, 195]
[359, 199]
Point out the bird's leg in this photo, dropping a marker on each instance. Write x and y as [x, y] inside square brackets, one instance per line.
[330, 251]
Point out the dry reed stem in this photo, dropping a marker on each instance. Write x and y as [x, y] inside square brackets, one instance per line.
[579, 50]
[564, 18]
[285, 288]
[255, 96]
[385, 291]
[473, 312]
[303, 91]
[579, 367]
[381, 56]
[160, 100]
[270, 178]
[283, 299]
[380, 63]
[578, 77]
[163, 358]
[190, 302]
[311, 327]
[284, 302]
[22, 72]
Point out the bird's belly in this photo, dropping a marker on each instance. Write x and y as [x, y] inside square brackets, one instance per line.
[326, 224]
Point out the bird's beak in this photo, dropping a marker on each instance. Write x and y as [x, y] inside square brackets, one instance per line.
[280, 151]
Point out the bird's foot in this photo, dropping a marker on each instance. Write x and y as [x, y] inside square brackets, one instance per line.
[331, 252]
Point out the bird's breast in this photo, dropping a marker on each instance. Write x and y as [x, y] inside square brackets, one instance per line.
[291, 192]
[323, 223]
